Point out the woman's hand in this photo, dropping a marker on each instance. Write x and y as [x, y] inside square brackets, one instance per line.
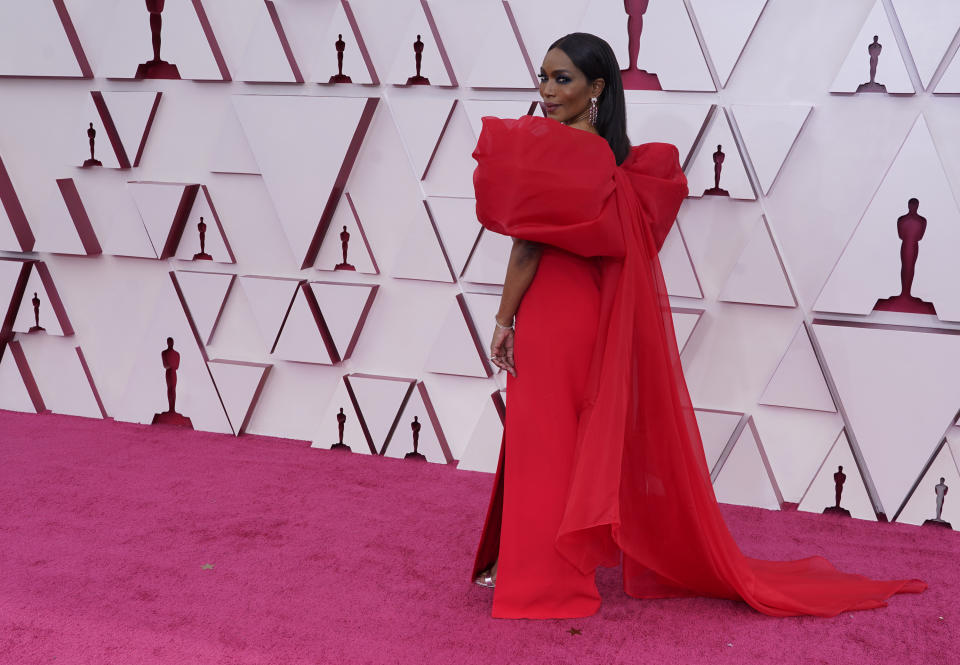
[501, 350]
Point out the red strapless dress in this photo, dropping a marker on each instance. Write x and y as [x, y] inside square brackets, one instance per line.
[601, 452]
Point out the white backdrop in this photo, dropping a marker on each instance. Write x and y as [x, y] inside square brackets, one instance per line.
[791, 370]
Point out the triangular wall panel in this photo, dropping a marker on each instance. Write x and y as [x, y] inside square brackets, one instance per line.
[822, 491]
[869, 267]
[768, 133]
[357, 64]
[205, 294]
[419, 415]
[305, 163]
[798, 381]
[725, 28]
[758, 277]
[240, 385]
[891, 69]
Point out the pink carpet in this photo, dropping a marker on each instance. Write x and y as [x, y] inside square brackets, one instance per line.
[131, 544]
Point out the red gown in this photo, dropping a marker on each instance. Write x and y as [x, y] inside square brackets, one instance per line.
[601, 452]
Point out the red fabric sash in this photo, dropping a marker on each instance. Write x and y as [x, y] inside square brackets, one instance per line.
[640, 483]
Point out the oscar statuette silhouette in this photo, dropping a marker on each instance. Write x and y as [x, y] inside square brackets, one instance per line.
[415, 455]
[156, 68]
[340, 77]
[171, 363]
[344, 241]
[91, 137]
[35, 301]
[910, 228]
[873, 49]
[716, 190]
[202, 254]
[632, 77]
[418, 55]
[940, 489]
[340, 445]
[838, 479]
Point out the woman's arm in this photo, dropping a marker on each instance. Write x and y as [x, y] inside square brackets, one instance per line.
[521, 267]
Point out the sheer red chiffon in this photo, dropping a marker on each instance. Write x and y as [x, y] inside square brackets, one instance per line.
[623, 463]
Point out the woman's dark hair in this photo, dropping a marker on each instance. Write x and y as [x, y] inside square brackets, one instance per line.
[593, 56]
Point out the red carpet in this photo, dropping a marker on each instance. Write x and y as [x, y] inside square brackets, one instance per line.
[131, 544]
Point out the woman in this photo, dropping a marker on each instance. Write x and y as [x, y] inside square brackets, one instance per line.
[601, 452]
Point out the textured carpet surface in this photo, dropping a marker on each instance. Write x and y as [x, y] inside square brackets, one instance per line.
[131, 544]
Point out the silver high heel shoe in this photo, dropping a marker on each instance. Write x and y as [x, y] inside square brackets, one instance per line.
[487, 578]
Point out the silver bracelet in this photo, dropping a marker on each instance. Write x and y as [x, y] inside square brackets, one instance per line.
[510, 327]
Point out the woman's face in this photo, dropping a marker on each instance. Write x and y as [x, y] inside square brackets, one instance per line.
[564, 88]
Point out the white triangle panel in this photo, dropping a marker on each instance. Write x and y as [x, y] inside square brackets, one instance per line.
[301, 338]
[205, 294]
[922, 504]
[456, 220]
[757, 277]
[269, 298]
[898, 389]
[949, 83]
[679, 124]
[488, 262]
[33, 42]
[77, 150]
[359, 253]
[421, 123]
[929, 27]
[328, 434]
[14, 395]
[115, 214]
[344, 308]
[483, 449]
[421, 255]
[434, 65]
[380, 399]
[231, 152]
[268, 57]
[356, 59]
[768, 133]
[145, 393]
[668, 45]
[798, 380]
[59, 375]
[133, 113]
[451, 171]
[743, 479]
[716, 428]
[455, 351]
[733, 174]
[725, 28]
[891, 70]
[678, 272]
[684, 323]
[431, 441]
[239, 385]
[869, 267]
[215, 243]
[501, 61]
[300, 158]
[822, 491]
[796, 442]
[185, 42]
[26, 318]
[158, 203]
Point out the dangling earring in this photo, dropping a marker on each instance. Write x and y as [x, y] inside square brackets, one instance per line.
[593, 110]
